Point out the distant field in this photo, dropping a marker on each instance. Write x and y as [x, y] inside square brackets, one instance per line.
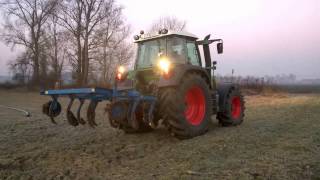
[300, 88]
[280, 139]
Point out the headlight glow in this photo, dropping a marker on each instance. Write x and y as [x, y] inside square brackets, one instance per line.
[121, 69]
[164, 65]
[120, 73]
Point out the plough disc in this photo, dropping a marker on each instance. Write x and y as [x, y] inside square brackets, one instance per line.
[52, 109]
[118, 113]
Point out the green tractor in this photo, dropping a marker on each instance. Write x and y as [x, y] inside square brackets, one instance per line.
[170, 85]
[169, 67]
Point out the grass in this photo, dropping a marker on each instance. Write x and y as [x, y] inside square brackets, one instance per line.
[280, 139]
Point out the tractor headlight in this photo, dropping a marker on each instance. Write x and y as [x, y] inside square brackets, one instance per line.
[121, 69]
[164, 65]
[121, 73]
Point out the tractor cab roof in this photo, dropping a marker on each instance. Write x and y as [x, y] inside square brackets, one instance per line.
[145, 37]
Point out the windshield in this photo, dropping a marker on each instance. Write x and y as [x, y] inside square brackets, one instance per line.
[148, 52]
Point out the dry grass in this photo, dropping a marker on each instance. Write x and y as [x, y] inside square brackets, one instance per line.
[280, 139]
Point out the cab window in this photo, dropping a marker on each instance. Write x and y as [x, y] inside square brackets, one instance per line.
[176, 49]
[193, 56]
[148, 52]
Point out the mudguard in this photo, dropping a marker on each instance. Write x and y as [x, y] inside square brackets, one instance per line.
[223, 89]
[180, 71]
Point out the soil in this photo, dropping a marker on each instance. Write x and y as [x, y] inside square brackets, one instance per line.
[279, 139]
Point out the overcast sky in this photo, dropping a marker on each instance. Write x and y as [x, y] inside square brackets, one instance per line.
[262, 37]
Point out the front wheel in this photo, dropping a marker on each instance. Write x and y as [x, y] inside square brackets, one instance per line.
[233, 109]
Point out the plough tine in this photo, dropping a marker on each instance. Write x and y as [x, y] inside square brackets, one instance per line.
[132, 120]
[52, 120]
[70, 117]
[91, 113]
[151, 120]
[50, 113]
[80, 119]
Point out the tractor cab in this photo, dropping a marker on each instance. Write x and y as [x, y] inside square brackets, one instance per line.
[176, 47]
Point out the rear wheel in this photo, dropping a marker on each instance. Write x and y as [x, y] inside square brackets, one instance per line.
[233, 111]
[186, 109]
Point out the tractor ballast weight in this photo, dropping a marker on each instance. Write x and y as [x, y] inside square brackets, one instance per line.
[168, 83]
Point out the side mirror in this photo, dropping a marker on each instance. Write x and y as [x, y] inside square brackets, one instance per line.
[220, 48]
[214, 65]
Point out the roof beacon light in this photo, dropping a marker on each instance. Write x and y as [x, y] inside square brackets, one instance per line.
[136, 37]
[163, 31]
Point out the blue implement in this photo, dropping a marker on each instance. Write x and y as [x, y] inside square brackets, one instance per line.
[132, 97]
[97, 94]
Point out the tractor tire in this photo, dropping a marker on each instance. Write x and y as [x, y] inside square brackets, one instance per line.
[186, 109]
[233, 113]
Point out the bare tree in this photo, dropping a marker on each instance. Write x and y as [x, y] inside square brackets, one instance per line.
[91, 34]
[169, 22]
[24, 21]
[70, 17]
[83, 18]
[55, 47]
[21, 68]
[109, 46]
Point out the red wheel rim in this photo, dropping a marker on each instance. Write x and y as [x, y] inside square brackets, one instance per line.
[195, 106]
[236, 107]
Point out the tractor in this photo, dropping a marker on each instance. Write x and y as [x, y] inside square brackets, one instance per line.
[170, 84]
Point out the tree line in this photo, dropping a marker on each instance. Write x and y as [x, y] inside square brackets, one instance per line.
[85, 37]
[252, 81]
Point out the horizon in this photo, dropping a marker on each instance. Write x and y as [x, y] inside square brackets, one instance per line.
[260, 37]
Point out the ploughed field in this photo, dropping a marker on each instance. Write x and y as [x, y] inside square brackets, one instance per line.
[279, 139]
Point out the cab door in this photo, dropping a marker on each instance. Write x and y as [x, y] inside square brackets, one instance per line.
[193, 54]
